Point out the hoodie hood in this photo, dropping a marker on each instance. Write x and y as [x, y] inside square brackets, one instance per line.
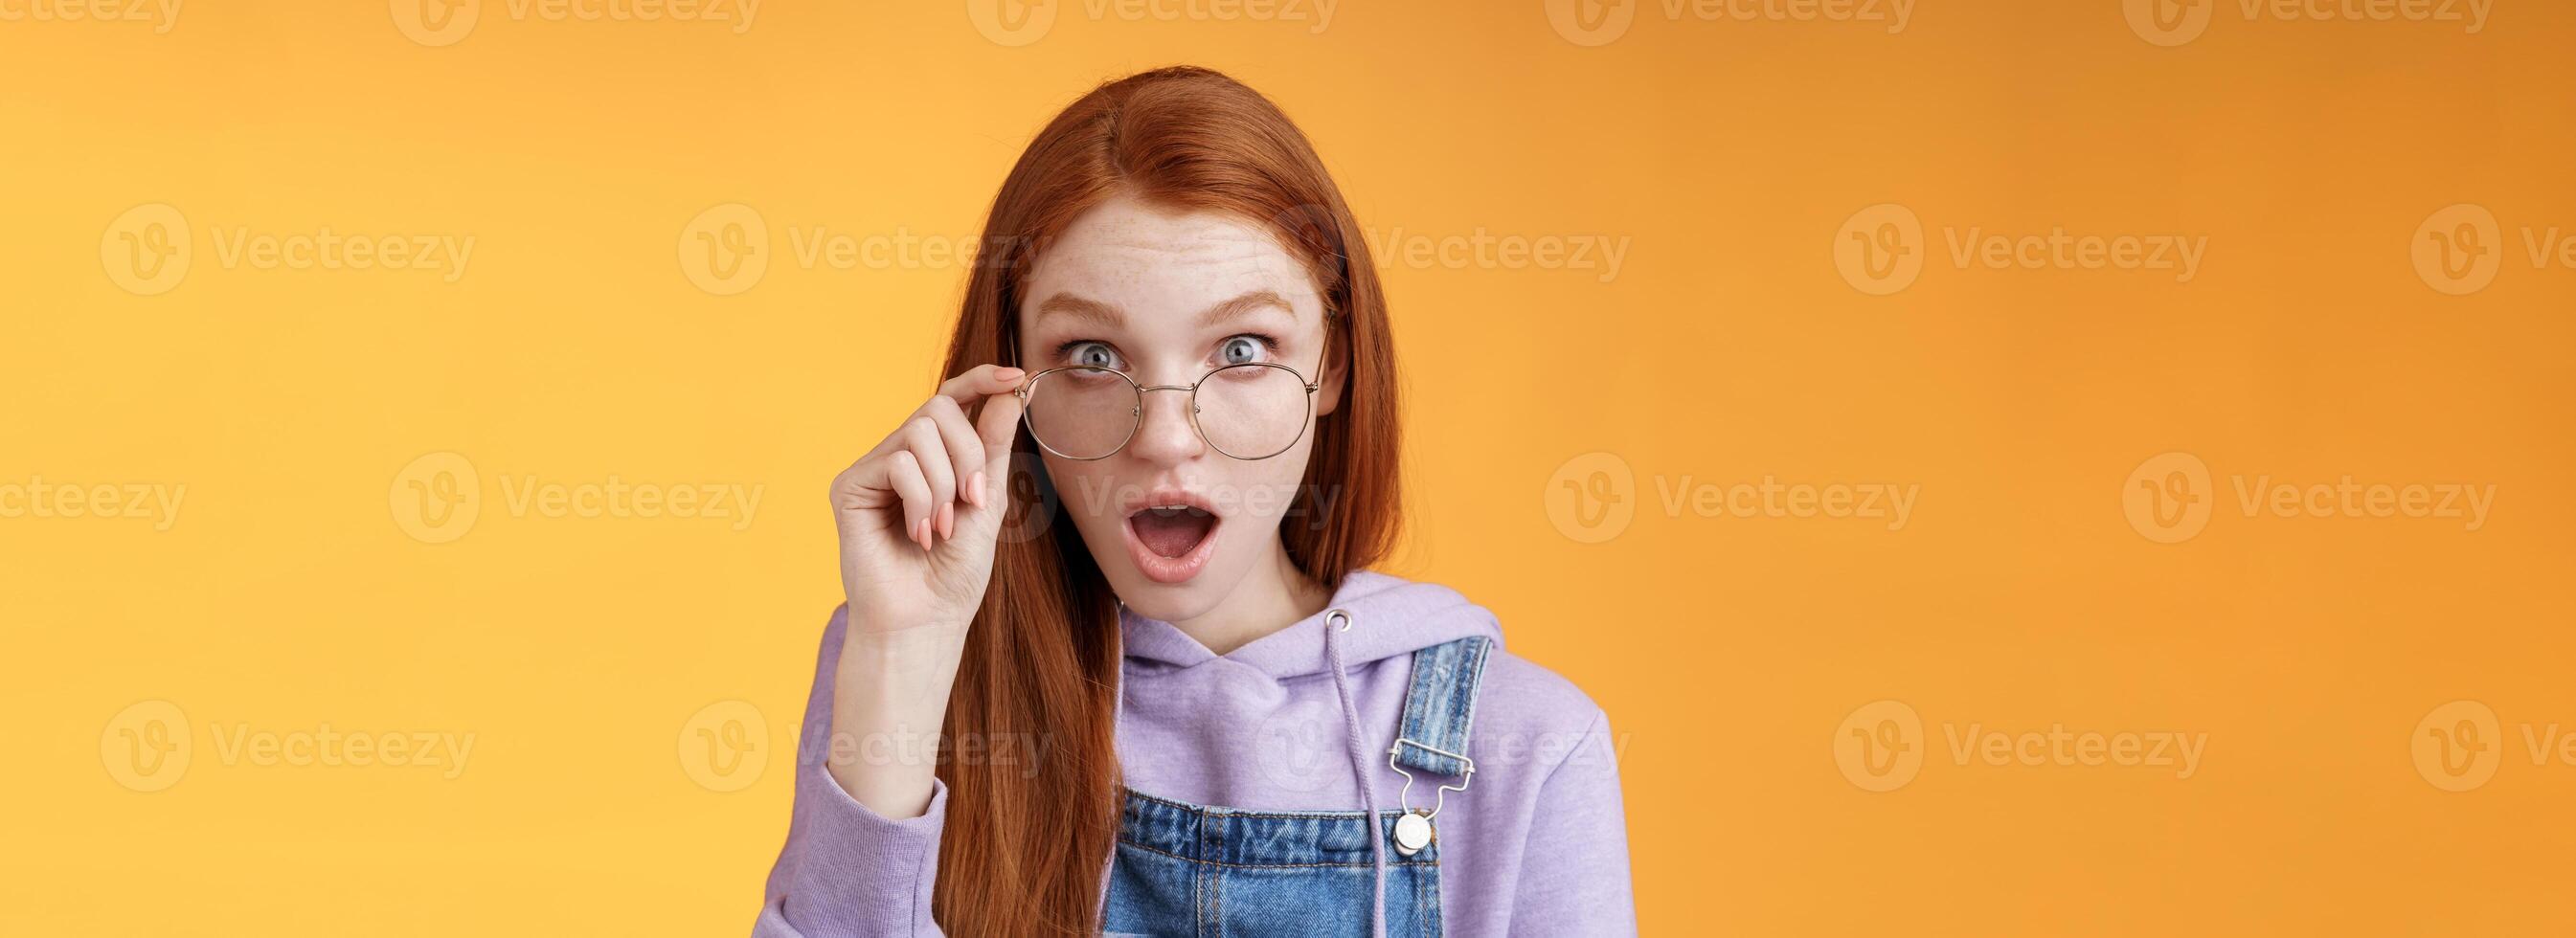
[1276, 725]
[1389, 616]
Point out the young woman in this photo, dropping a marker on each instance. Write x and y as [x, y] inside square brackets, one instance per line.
[1116, 568]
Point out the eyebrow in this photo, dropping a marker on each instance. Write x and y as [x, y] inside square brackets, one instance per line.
[1108, 316]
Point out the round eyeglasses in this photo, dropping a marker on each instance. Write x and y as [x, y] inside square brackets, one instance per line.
[1254, 410]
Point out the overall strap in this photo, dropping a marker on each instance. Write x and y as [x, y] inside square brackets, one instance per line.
[1440, 707]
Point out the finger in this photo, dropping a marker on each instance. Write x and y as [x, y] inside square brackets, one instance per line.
[921, 439]
[904, 471]
[997, 426]
[973, 384]
[965, 449]
[860, 487]
[966, 388]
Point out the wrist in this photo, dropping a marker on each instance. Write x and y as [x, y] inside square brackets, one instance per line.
[905, 657]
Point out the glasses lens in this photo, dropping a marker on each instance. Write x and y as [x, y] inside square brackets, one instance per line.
[1082, 413]
[1252, 411]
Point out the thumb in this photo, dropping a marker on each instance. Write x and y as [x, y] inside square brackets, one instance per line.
[999, 426]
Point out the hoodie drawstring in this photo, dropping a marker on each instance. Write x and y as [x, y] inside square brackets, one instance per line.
[1359, 766]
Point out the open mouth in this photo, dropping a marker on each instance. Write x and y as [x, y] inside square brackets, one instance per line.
[1171, 542]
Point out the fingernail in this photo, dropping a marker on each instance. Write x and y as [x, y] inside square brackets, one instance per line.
[947, 520]
[975, 489]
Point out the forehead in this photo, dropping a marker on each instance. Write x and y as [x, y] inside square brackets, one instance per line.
[1164, 266]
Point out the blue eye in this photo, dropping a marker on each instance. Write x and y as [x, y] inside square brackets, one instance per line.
[1246, 349]
[1092, 354]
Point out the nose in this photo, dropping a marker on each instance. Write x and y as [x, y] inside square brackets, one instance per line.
[1166, 436]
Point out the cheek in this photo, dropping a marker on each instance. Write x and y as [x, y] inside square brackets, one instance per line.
[1263, 491]
[1086, 491]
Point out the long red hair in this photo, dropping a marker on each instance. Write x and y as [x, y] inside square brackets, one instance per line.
[1023, 851]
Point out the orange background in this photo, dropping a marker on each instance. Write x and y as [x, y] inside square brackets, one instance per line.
[1734, 653]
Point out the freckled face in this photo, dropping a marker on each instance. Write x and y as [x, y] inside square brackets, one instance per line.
[1166, 296]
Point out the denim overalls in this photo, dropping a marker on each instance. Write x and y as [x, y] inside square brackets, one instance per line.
[1203, 870]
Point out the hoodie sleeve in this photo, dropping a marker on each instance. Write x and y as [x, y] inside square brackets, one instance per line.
[847, 870]
[1581, 828]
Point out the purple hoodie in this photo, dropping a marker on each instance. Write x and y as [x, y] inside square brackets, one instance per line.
[1537, 845]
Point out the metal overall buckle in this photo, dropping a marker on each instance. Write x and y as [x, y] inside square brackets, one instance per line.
[1413, 829]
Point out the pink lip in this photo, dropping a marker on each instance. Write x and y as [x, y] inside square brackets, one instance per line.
[1161, 569]
[1165, 496]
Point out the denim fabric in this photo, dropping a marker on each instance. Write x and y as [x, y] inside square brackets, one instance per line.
[1192, 870]
[1440, 706]
[1199, 870]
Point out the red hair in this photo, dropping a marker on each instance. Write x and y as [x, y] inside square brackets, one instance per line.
[1023, 851]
